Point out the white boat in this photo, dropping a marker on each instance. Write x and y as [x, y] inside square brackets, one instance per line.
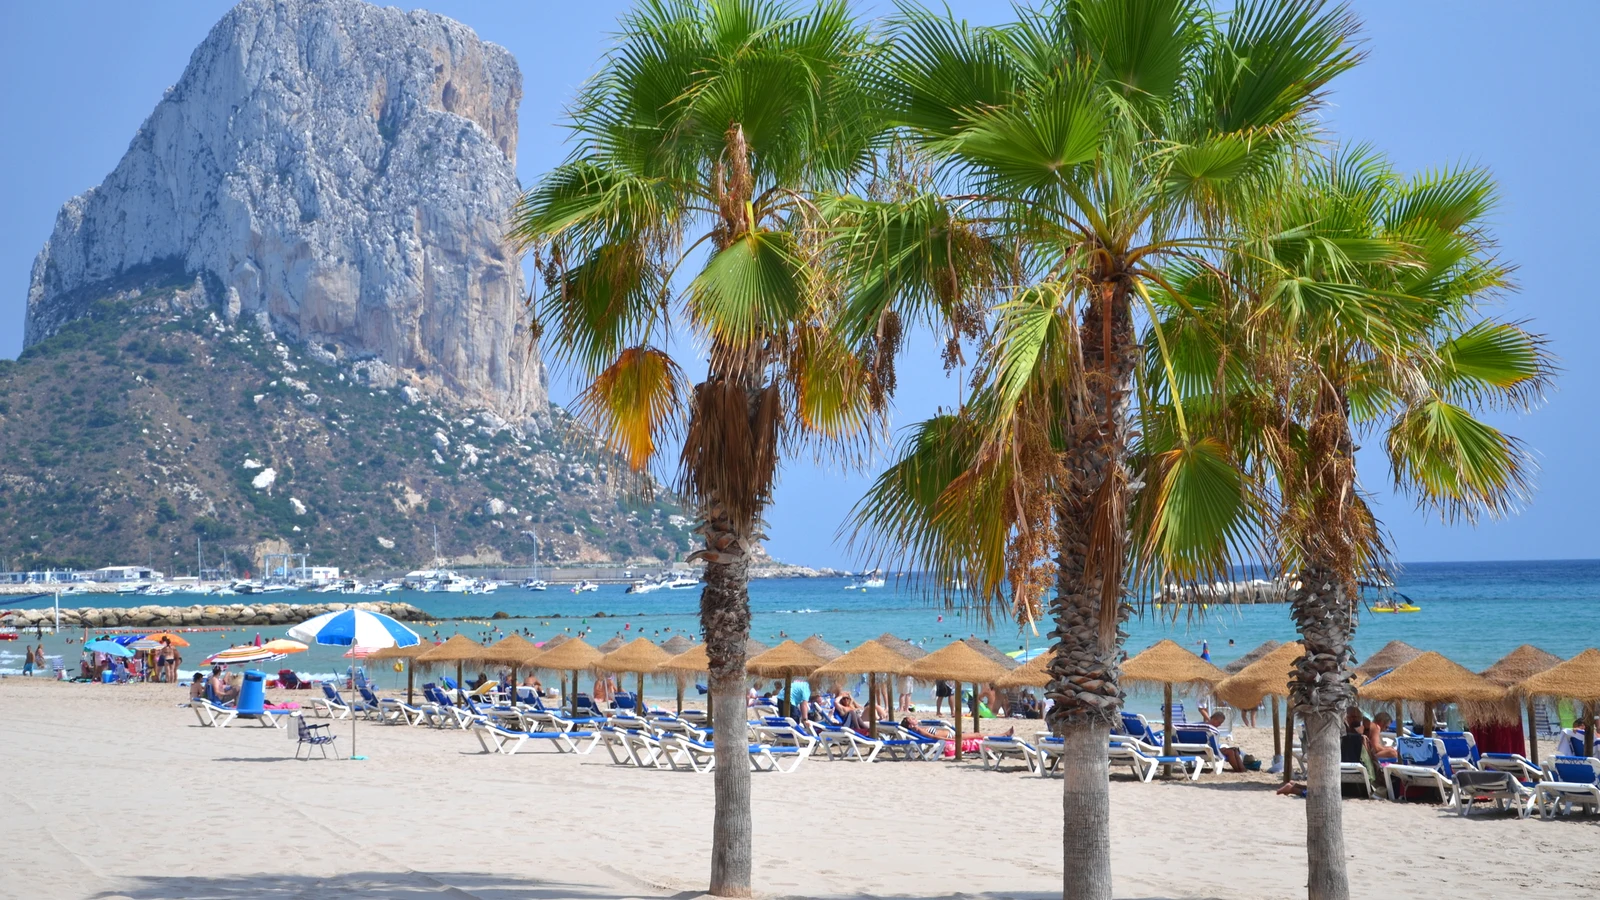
[646, 585]
[683, 581]
[483, 587]
[584, 587]
[450, 583]
[536, 584]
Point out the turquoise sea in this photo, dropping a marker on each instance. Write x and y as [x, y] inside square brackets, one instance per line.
[1471, 612]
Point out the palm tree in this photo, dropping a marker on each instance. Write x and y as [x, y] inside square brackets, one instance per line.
[1358, 313]
[700, 143]
[1092, 141]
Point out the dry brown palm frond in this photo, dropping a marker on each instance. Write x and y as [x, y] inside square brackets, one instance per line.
[730, 454]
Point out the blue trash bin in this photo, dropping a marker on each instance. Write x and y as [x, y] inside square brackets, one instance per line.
[253, 693]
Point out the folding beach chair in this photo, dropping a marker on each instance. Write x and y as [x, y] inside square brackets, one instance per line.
[308, 735]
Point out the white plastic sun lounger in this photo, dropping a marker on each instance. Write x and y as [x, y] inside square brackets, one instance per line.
[508, 741]
[1424, 763]
[210, 714]
[849, 744]
[1501, 788]
[1146, 760]
[1574, 781]
[998, 747]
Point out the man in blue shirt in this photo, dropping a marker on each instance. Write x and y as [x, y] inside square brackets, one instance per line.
[800, 700]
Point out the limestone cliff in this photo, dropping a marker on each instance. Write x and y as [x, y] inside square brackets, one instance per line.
[340, 170]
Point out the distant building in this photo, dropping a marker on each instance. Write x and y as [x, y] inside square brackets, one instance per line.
[318, 575]
[127, 573]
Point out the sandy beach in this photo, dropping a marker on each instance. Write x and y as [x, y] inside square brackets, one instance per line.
[116, 792]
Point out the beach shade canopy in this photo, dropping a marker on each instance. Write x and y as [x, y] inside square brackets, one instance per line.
[1430, 678]
[786, 660]
[1034, 673]
[822, 648]
[1394, 653]
[754, 648]
[285, 646]
[569, 656]
[957, 662]
[992, 652]
[1520, 664]
[358, 627]
[676, 644]
[458, 649]
[901, 646]
[640, 655]
[1576, 679]
[616, 643]
[1167, 663]
[410, 652]
[177, 640]
[512, 650]
[554, 642]
[1267, 677]
[1239, 664]
[867, 658]
[688, 662]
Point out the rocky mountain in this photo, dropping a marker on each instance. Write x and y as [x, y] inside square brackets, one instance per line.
[338, 171]
[149, 424]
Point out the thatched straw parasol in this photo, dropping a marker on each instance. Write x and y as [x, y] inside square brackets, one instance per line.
[513, 650]
[638, 656]
[1514, 668]
[1431, 679]
[960, 663]
[1268, 676]
[1167, 664]
[994, 653]
[901, 646]
[1034, 673]
[822, 648]
[616, 643]
[1576, 679]
[786, 660]
[459, 649]
[409, 654]
[1239, 664]
[676, 644]
[573, 656]
[1394, 653]
[868, 659]
[555, 642]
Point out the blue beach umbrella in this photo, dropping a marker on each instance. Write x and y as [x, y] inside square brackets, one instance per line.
[354, 628]
[109, 648]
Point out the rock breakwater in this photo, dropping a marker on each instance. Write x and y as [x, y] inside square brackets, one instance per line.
[219, 614]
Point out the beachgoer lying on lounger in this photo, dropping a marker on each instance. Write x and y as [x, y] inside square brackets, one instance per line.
[910, 724]
[1232, 754]
[849, 714]
[221, 690]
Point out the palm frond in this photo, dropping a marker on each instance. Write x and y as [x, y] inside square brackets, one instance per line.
[635, 403]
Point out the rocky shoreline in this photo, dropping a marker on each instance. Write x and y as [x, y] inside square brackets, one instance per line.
[181, 616]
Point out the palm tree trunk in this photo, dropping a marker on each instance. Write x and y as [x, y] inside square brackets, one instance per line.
[1086, 667]
[1321, 690]
[725, 618]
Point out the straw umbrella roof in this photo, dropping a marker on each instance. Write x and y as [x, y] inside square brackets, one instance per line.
[1266, 677]
[555, 642]
[1520, 664]
[1394, 653]
[1033, 673]
[639, 655]
[993, 652]
[901, 646]
[754, 648]
[615, 643]
[1168, 663]
[822, 648]
[1430, 678]
[691, 660]
[786, 659]
[511, 650]
[676, 644]
[411, 652]
[870, 656]
[459, 649]
[1576, 679]
[1239, 664]
[570, 656]
[957, 662]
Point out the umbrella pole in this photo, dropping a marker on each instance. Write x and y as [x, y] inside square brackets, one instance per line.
[1533, 733]
[461, 682]
[1166, 733]
[872, 709]
[959, 714]
[1588, 729]
[1288, 742]
[680, 695]
[638, 697]
[1277, 736]
[788, 695]
[1427, 720]
[411, 675]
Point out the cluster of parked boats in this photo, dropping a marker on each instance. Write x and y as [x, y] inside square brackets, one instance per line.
[677, 581]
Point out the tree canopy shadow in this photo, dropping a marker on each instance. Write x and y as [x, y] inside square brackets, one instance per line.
[411, 885]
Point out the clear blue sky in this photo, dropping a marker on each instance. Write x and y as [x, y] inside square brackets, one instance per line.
[1473, 81]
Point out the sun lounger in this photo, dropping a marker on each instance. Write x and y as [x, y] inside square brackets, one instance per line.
[849, 744]
[330, 704]
[1423, 763]
[1352, 763]
[1573, 781]
[212, 715]
[782, 735]
[1136, 727]
[1461, 747]
[1202, 741]
[630, 746]
[1145, 760]
[308, 735]
[1514, 764]
[767, 758]
[903, 743]
[1503, 788]
[447, 713]
[1570, 742]
[508, 741]
[998, 747]
[1051, 751]
[684, 752]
